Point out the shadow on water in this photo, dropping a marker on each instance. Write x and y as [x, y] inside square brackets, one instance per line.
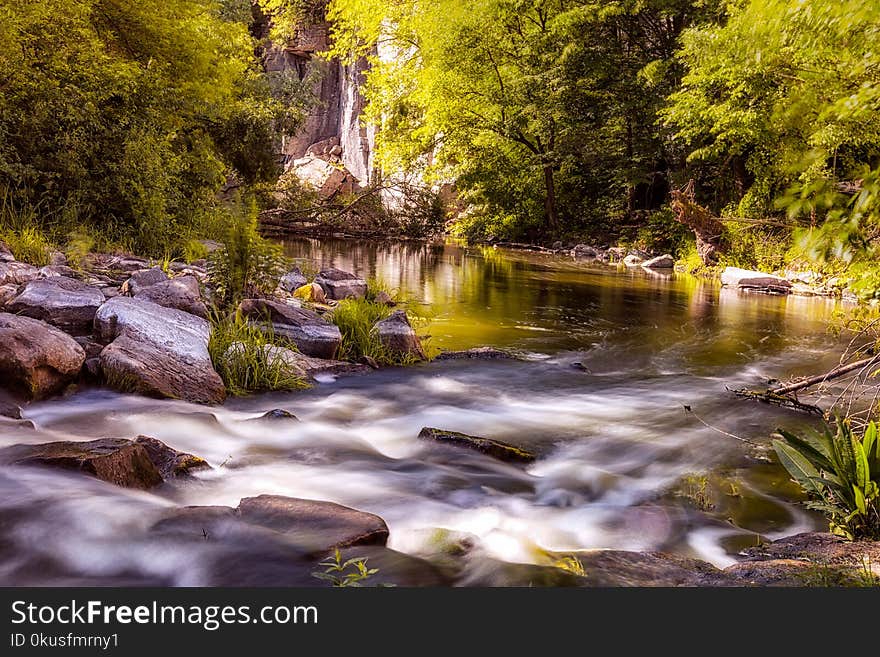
[621, 464]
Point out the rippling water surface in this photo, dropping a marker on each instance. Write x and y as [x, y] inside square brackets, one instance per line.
[622, 465]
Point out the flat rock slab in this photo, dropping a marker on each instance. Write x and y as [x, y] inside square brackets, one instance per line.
[64, 302]
[157, 351]
[316, 525]
[182, 293]
[36, 359]
[141, 463]
[477, 353]
[745, 279]
[338, 284]
[493, 448]
[312, 334]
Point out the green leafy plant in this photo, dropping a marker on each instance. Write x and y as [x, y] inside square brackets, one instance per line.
[350, 573]
[247, 264]
[840, 473]
[247, 359]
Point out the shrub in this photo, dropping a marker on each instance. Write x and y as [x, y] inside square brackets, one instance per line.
[242, 355]
[247, 265]
[840, 473]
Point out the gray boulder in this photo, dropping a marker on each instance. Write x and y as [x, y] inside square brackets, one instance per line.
[338, 284]
[144, 278]
[182, 293]
[746, 279]
[312, 335]
[665, 261]
[398, 337]
[16, 273]
[292, 280]
[157, 351]
[584, 251]
[7, 294]
[633, 260]
[64, 302]
[36, 359]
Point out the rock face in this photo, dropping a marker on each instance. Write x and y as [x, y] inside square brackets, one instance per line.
[63, 302]
[745, 279]
[660, 262]
[142, 463]
[16, 273]
[338, 284]
[318, 526]
[292, 280]
[157, 351]
[144, 278]
[181, 293]
[312, 335]
[493, 448]
[398, 337]
[326, 178]
[35, 358]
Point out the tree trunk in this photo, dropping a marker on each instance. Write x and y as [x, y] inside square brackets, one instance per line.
[707, 228]
[550, 213]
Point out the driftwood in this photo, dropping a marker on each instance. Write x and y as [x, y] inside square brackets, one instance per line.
[707, 228]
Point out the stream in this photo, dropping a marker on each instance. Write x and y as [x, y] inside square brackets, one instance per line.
[610, 359]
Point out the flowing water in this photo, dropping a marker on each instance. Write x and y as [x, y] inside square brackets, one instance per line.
[611, 358]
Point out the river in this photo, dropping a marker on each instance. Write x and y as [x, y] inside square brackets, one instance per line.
[610, 359]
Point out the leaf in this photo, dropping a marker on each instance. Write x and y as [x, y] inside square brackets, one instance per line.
[861, 461]
[860, 501]
[798, 466]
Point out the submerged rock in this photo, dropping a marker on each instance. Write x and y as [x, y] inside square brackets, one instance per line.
[745, 279]
[142, 463]
[660, 262]
[293, 280]
[182, 293]
[338, 284]
[157, 351]
[477, 353]
[312, 335]
[494, 448]
[36, 359]
[64, 302]
[623, 568]
[316, 525]
[275, 415]
[397, 336]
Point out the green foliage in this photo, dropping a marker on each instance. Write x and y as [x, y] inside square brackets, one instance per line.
[355, 319]
[841, 474]
[79, 245]
[661, 233]
[28, 244]
[247, 265]
[350, 573]
[750, 246]
[245, 359]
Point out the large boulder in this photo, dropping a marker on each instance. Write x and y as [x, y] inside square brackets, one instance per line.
[64, 302]
[326, 178]
[35, 358]
[141, 463]
[397, 336]
[338, 284]
[292, 280]
[660, 262]
[494, 448]
[585, 251]
[312, 335]
[746, 279]
[182, 293]
[16, 273]
[157, 351]
[144, 278]
[318, 526]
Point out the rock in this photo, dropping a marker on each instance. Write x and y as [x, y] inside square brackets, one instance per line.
[92, 370]
[312, 335]
[477, 353]
[293, 280]
[745, 279]
[56, 258]
[63, 302]
[311, 292]
[319, 526]
[616, 253]
[90, 347]
[181, 293]
[50, 271]
[632, 260]
[802, 290]
[275, 415]
[493, 448]
[16, 273]
[36, 358]
[384, 299]
[157, 351]
[308, 367]
[584, 251]
[110, 292]
[5, 253]
[338, 284]
[9, 409]
[327, 179]
[660, 262]
[7, 294]
[398, 337]
[142, 463]
[369, 361]
[396, 568]
[623, 568]
[144, 278]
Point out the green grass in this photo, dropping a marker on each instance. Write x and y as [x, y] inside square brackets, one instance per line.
[377, 285]
[355, 319]
[28, 244]
[238, 352]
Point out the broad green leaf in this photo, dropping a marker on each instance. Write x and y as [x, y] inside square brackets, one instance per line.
[798, 466]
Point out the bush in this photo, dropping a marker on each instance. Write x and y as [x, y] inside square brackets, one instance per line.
[247, 265]
[243, 357]
[840, 473]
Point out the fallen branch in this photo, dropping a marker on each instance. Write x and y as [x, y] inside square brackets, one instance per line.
[840, 370]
